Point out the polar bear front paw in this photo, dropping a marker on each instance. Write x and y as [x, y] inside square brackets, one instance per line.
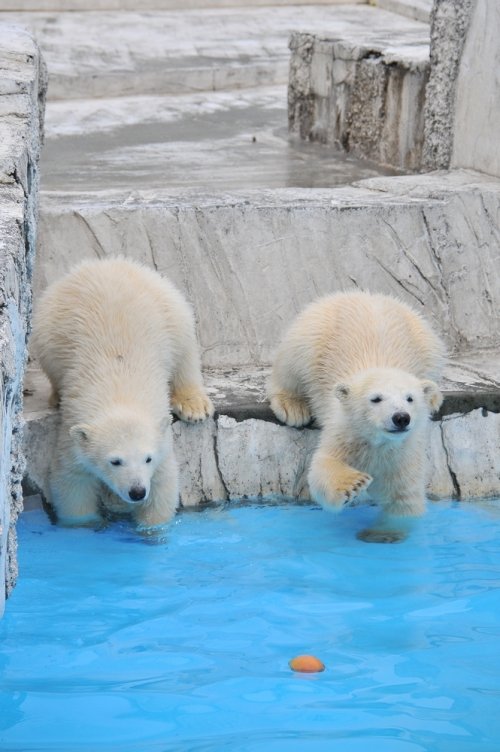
[192, 405]
[290, 409]
[349, 484]
[353, 484]
[336, 484]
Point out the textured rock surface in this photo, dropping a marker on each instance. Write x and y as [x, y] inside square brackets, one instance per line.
[22, 86]
[362, 89]
[433, 240]
[449, 23]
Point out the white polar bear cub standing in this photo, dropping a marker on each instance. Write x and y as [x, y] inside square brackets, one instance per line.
[362, 365]
[111, 336]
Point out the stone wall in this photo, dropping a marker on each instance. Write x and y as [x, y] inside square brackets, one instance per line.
[22, 88]
[432, 240]
[476, 121]
[363, 95]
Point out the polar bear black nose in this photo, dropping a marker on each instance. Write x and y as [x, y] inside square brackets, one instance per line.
[137, 493]
[401, 420]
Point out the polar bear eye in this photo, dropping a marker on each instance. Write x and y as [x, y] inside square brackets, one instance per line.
[115, 462]
[409, 399]
[148, 459]
[376, 399]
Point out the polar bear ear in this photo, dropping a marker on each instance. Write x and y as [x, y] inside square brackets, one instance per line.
[432, 395]
[341, 391]
[80, 434]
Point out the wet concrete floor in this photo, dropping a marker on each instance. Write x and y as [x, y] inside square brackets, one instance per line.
[210, 142]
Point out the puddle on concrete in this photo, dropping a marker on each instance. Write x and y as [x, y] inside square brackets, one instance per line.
[241, 146]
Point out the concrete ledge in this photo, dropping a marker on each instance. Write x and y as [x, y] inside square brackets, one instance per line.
[431, 239]
[22, 87]
[108, 53]
[63, 6]
[420, 10]
[363, 93]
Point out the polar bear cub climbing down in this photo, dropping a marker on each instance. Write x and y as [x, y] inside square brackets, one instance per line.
[111, 337]
[362, 365]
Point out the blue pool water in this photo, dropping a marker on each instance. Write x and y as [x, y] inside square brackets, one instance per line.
[111, 642]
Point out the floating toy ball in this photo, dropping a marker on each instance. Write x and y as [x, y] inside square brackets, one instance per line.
[307, 664]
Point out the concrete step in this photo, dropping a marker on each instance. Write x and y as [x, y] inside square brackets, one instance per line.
[107, 54]
[63, 6]
[364, 95]
[420, 10]
[250, 260]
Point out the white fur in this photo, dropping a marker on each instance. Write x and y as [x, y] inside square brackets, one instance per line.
[112, 336]
[341, 353]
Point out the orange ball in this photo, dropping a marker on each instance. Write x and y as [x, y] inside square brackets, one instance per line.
[307, 664]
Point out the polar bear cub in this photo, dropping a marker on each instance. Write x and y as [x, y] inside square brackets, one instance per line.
[363, 366]
[112, 336]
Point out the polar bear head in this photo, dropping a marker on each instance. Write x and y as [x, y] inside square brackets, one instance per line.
[123, 449]
[386, 404]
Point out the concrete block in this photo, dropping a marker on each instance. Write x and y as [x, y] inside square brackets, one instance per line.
[432, 240]
[440, 483]
[471, 443]
[420, 10]
[197, 456]
[259, 458]
[362, 93]
[63, 6]
[476, 121]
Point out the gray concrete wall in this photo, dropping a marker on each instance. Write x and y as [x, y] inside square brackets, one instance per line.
[433, 240]
[476, 123]
[22, 86]
[462, 110]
